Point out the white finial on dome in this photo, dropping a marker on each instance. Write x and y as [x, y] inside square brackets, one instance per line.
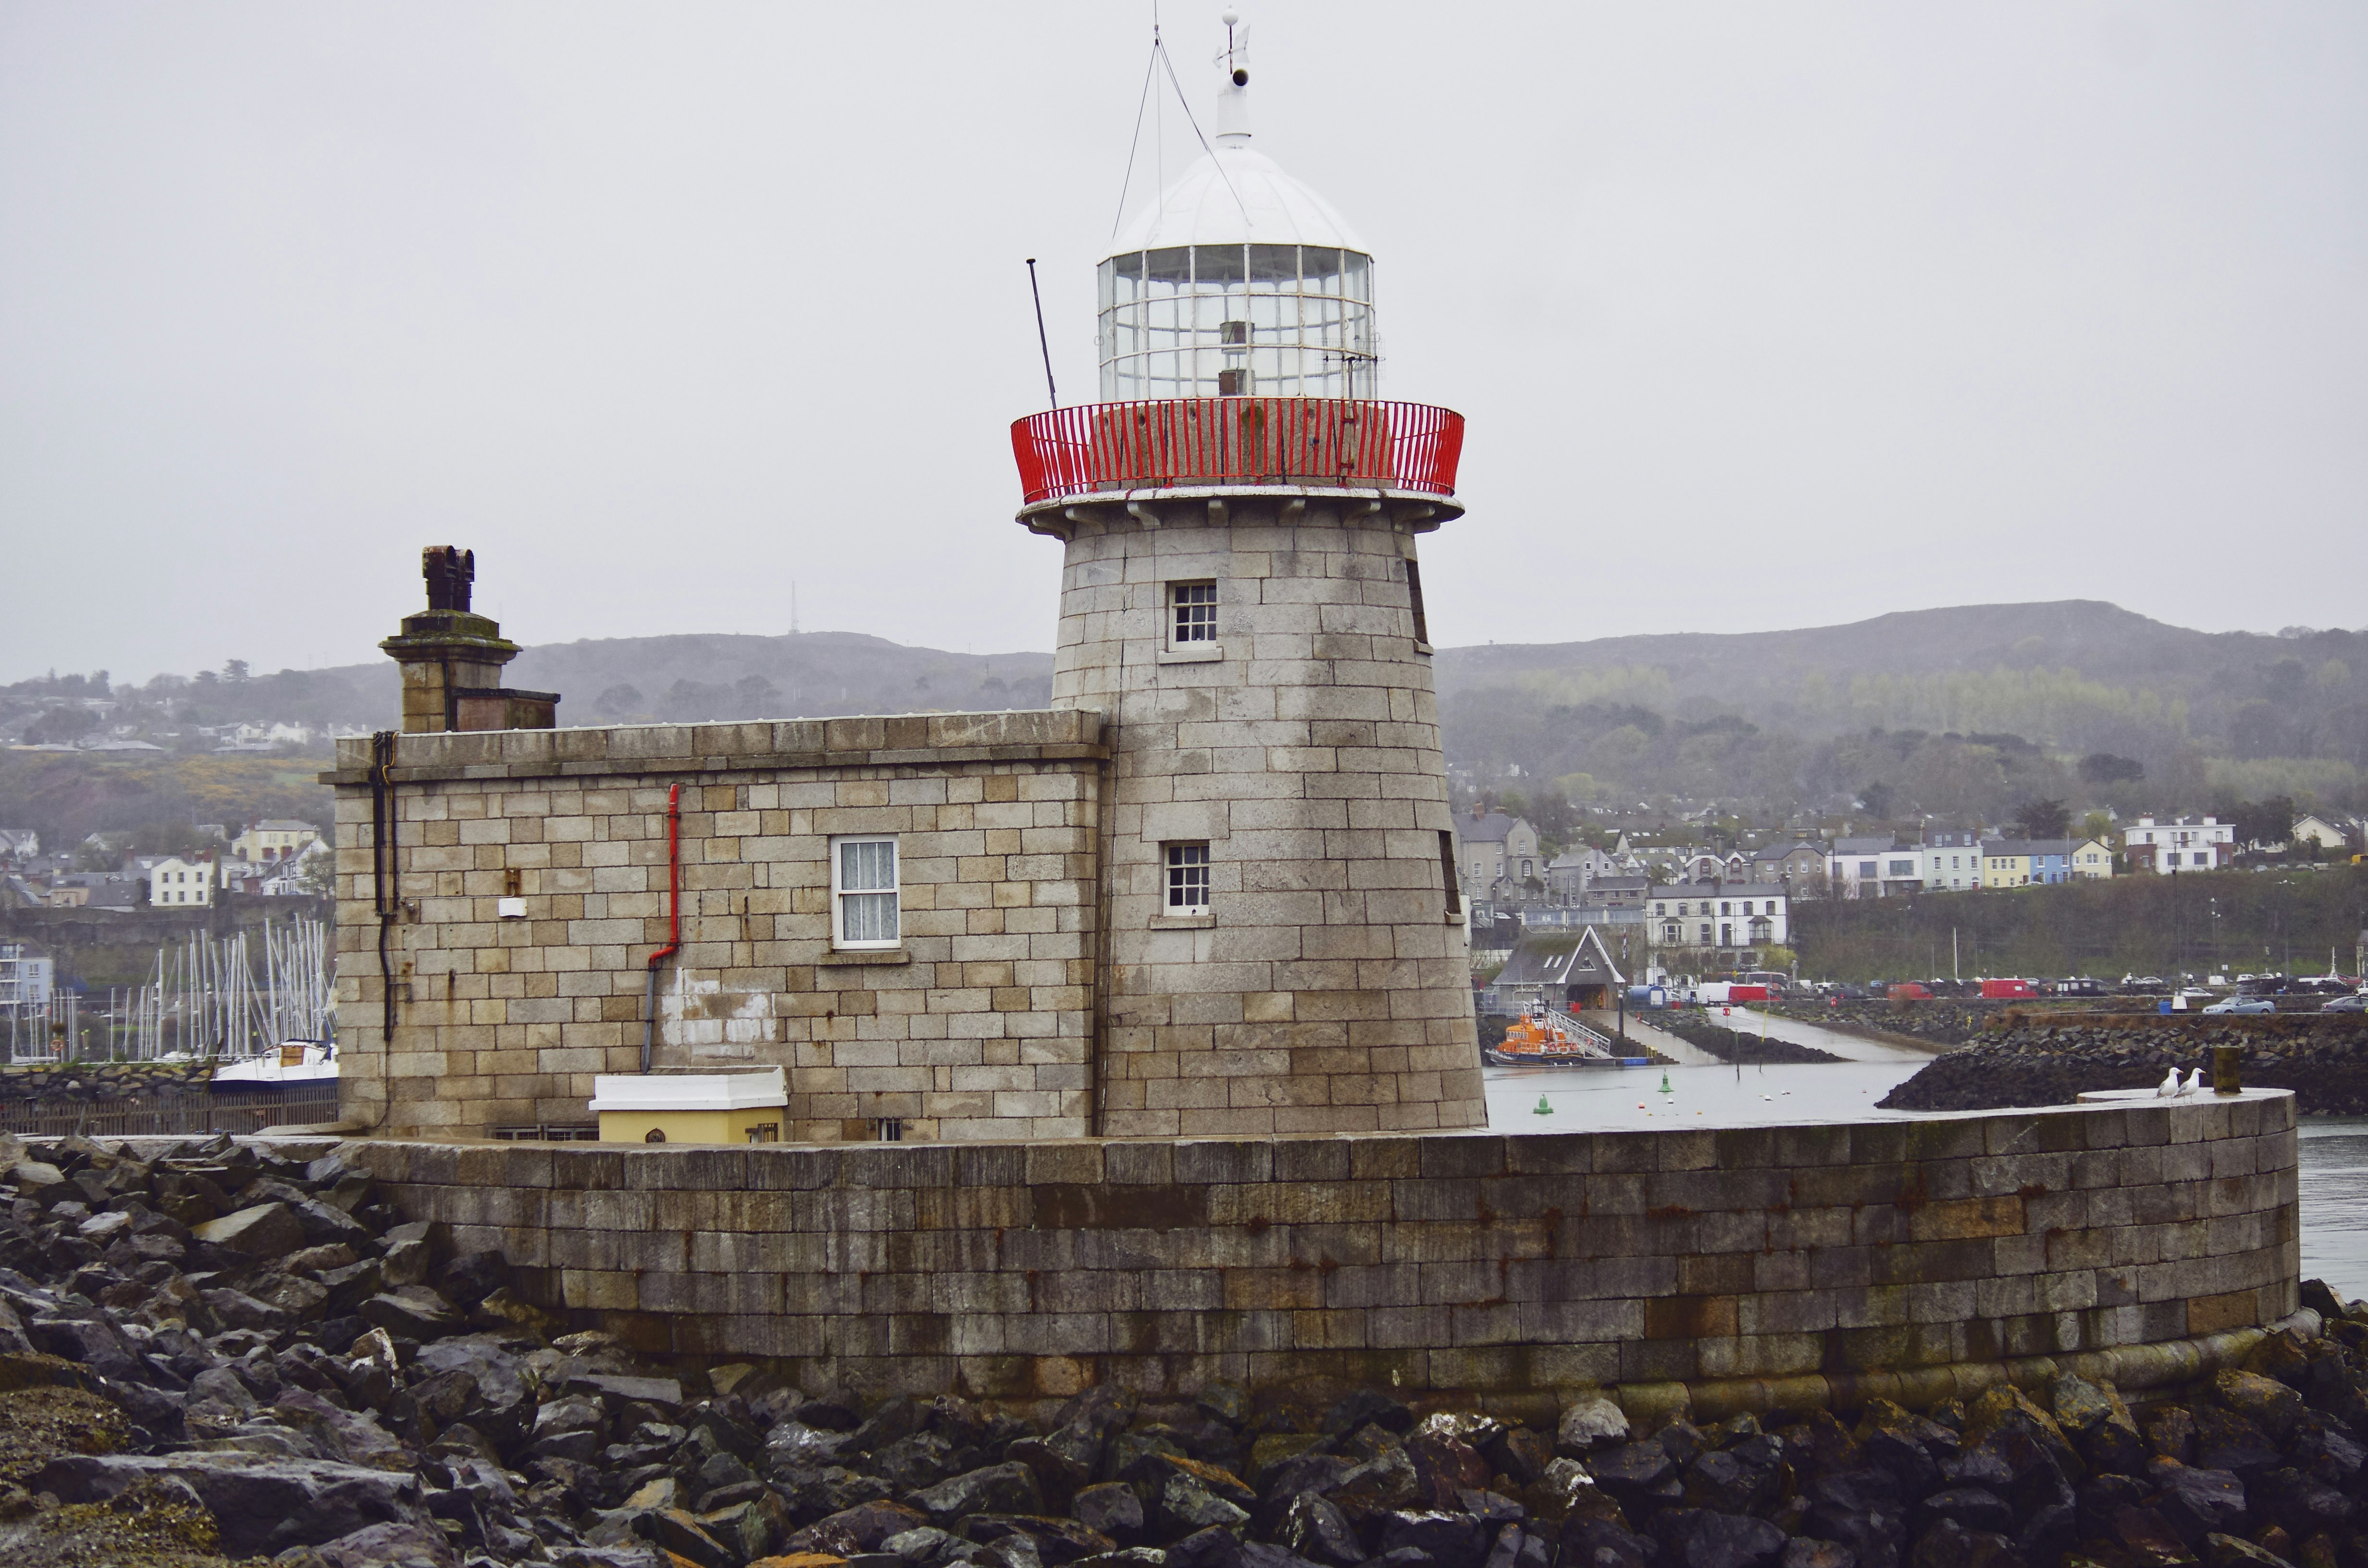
[1234, 97]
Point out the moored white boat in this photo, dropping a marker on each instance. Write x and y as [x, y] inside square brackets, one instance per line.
[296, 1062]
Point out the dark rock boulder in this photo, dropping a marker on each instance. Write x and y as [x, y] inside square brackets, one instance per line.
[992, 1489]
[1699, 1538]
[261, 1508]
[1603, 1543]
[1948, 1544]
[1446, 1539]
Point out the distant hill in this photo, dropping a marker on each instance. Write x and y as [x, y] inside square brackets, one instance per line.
[701, 676]
[1962, 712]
[1950, 712]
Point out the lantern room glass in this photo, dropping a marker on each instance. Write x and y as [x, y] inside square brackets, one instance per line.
[1237, 321]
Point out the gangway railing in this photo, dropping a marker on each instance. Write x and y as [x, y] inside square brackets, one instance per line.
[1595, 1042]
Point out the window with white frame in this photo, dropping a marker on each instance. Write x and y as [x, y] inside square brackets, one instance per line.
[864, 892]
[1192, 614]
[1188, 879]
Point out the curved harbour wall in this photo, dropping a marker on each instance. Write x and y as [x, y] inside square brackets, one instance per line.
[1796, 1259]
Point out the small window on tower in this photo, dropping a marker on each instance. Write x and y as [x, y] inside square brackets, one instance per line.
[1234, 383]
[1188, 879]
[1192, 614]
[1414, 599]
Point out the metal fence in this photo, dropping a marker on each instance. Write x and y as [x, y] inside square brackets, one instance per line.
[235, 1112]
[1259, 440]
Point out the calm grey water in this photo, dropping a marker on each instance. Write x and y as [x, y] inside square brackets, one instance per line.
[2334, 1152]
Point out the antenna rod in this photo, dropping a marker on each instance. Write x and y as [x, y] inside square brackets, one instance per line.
[1049, 390]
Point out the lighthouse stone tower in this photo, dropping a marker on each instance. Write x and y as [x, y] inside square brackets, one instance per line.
[1284, 949]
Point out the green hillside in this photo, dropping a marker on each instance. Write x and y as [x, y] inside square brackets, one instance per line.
[2232, 921]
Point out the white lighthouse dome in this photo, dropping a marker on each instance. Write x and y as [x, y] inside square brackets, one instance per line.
[1237, 280]
[1237, 195]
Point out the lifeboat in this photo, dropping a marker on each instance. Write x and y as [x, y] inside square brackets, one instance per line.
[1534, 1041]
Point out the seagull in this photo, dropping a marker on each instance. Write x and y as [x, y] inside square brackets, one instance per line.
[2168, 1086]
[2195, 1085]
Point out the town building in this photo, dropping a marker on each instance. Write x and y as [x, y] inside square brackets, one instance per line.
[273, 838]
[1727, 918]
[95, 890]
[1949, 858]
[1211, 890]
[1492, 847]
[2019, 862]
[1571, 971]
[2183, 844]
[1569, 874]
[1799, 866]
[1873, 866]
[2329, 834]
[175, 883]
[26, 976]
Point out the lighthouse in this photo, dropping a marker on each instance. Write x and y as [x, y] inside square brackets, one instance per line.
[1282, 946]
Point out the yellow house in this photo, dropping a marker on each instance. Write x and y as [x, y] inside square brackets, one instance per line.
[273, 838]
[2020, 863]
[2093, 860]
[691, 1108]
[2006, 864]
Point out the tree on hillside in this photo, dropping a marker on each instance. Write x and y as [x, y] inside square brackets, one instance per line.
[60, 725]
[2104, 768]
[617, 702]
[2042, 818]
[2261, 823]
[758, 698]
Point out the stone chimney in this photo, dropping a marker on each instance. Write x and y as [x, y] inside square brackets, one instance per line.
[453, 659]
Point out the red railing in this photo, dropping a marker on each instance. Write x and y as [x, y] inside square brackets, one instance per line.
[1101, 446]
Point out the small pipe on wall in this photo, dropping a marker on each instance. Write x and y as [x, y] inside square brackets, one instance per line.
[673, 918]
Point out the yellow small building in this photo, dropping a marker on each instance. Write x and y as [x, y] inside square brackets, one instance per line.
[274, 838]
[2093, 860]
[2005, 865]
[691, 1108]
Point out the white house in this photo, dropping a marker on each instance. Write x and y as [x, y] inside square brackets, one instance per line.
[1952, 859]
[175, 883]
[1874, 868]
[2184, 844]
[287, 878]
[2327, 834]
[1728, 915]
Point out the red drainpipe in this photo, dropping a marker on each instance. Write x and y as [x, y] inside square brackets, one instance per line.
[674, 916]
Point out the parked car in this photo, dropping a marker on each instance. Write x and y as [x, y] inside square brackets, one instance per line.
[2352, 1004]
[2243, 1005]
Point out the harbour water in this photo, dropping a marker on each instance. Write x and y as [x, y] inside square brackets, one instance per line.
[2334, 1152]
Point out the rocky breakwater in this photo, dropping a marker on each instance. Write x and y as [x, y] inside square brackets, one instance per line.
[275, 1368]
[80, 1082]
[2044, 1060]
[1743, 1045]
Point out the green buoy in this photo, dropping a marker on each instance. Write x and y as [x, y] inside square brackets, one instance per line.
[1665, 1083]
[1543, 1108]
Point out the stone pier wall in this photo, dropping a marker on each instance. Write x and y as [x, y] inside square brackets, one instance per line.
[1497, 1266]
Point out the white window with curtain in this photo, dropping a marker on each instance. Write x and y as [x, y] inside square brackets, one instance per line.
[864, 892]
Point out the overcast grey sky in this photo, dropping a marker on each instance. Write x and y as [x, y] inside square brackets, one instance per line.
[1763, 315]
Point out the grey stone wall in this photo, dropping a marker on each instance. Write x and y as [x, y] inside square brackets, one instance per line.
[1499, 1266]
[979, 1023]
[1327, 989]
